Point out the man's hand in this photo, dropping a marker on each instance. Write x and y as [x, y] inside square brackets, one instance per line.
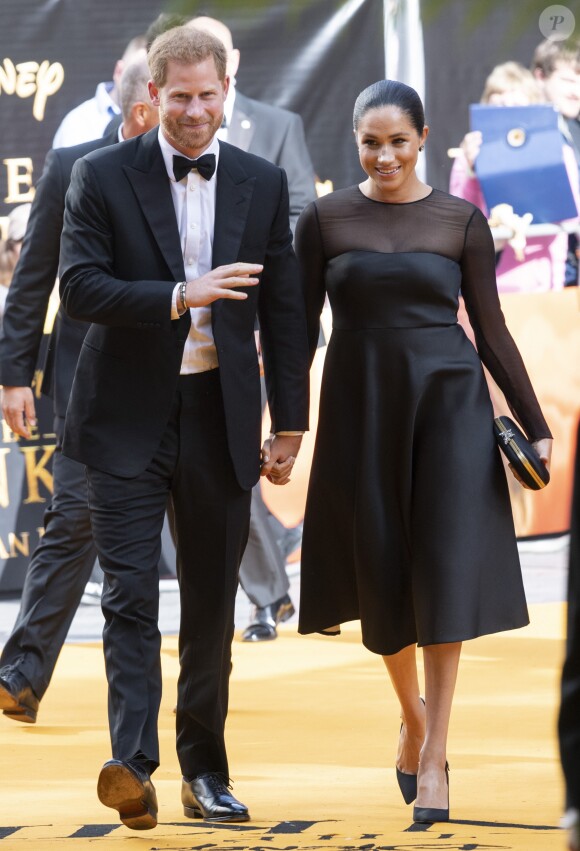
[219, 282]
[18, 409]
[278, 456]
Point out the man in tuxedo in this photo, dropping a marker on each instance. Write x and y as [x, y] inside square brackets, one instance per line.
[277, 135]
[171, 258]
[62, 563]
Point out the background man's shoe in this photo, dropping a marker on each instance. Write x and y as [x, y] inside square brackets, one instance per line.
[128, 788]
[17, 700]
[266, 619]
[208, 797]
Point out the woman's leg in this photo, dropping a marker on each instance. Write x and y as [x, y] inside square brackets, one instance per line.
[441, 664]
[402, 668]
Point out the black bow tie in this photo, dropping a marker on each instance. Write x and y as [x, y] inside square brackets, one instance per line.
[204, 164]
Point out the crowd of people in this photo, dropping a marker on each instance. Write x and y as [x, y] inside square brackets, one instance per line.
[545, 262]
[193, 255]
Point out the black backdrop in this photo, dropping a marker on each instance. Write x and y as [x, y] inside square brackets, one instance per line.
[313, 58]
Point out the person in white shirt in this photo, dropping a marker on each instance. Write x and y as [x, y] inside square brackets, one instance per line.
[90, 119]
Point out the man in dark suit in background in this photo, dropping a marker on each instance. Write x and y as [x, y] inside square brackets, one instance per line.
[62, 563]
[171, 260]
[277, 135]
[569, 719]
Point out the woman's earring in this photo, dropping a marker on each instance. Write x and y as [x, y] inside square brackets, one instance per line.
[421, 147]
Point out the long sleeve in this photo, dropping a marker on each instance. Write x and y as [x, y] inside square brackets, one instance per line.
[89, 288]
[495, 344]
[282, 326]
[312, 260]
[33, 280]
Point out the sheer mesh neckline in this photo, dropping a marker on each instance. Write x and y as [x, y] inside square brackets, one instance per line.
[396, 203]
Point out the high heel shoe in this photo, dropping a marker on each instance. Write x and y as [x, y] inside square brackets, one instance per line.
[407, 785]
[407, 782]
[428, 815]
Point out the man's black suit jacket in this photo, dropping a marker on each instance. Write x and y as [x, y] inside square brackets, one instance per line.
[32, 284]
[277, 135]
[120, 258]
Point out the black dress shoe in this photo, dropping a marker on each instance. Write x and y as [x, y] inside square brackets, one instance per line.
[208, 797]
[17, 700]
[266, 619]
[128, 788]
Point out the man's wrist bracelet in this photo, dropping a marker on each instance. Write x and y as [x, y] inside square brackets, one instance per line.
[181, 296]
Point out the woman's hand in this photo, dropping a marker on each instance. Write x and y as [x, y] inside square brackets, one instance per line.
[544, 449]
[278, 456]
[471, 145]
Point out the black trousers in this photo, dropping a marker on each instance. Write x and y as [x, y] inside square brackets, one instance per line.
[211, 514]
[56, 577]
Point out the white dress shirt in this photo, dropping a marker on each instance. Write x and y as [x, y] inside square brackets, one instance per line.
[222, 133]
[89, 120]
[194, 203]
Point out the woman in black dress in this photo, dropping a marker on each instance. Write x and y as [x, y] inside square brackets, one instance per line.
[408, 523]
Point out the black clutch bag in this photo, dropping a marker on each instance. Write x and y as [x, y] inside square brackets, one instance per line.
[520, 453]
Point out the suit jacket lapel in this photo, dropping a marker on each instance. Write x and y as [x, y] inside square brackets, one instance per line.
[233, 198]
[148, 177]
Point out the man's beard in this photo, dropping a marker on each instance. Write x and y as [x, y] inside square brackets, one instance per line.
[189, 137]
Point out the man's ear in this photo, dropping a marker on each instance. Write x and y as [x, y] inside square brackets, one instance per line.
[153, 93]
[139, 111]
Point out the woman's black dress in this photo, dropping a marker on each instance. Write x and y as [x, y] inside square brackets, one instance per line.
[408, 524]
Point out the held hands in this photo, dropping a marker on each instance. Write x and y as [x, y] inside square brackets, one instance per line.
[220, 283]
[278, 457]
[544, 449]
[18, 409]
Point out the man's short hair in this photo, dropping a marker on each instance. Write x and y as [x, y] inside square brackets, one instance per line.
[133, 86]
[163, 22]
[549, 53]
[186, 46]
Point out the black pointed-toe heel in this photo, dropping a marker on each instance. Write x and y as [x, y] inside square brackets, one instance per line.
[428, 815]
[407, 782]
[407, 785]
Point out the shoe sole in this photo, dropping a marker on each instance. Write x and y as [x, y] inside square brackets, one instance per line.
[14, 710]
[7, 701]
[193, 812]
[26, 716]
[119, 789]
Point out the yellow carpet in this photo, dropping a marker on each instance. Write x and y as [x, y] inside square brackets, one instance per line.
[312, 735]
